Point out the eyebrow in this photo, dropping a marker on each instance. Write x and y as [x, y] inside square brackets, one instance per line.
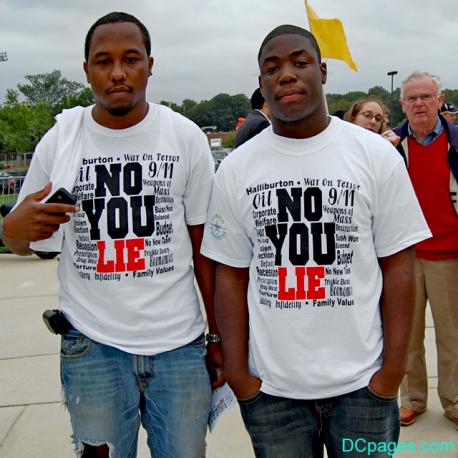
[106, 53]
[296, 53]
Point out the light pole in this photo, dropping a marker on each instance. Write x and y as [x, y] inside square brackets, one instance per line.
[392, 73]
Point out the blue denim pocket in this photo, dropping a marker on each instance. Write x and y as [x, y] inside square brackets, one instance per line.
[378, 397]
[74, 344]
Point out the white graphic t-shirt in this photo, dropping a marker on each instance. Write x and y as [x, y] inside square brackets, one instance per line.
[125, 271]
[310, 217]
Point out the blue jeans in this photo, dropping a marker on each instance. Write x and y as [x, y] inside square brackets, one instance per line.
[109, 392]
[346, 425]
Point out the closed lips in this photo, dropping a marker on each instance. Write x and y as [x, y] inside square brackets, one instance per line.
[119, 89]
[289, 93]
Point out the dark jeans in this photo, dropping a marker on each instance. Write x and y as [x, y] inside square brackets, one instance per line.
[351, 425]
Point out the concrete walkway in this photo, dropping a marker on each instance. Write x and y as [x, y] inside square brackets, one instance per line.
[34, 423]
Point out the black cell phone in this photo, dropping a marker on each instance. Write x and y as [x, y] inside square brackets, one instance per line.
[61, 196]
[56, 322]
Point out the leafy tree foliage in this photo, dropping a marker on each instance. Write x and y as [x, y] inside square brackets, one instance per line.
[174, 106]
[82, 98]
[50, 88]
[24, 122]
[337, 102]
[221, 111]
[22, 125]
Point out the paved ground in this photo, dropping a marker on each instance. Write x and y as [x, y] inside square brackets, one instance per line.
[33, 422]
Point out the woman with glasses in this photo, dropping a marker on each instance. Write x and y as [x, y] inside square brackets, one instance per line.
[372, 114]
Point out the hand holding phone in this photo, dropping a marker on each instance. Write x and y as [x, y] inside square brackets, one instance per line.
[36, 219]
[61, 196]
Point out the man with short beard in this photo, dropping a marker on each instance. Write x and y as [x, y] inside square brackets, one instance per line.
[133, 346]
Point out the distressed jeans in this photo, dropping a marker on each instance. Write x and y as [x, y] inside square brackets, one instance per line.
[349, 425]
[109, 392]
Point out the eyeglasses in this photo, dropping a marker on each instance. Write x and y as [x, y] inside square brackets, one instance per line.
[369, 115]
[423, 97]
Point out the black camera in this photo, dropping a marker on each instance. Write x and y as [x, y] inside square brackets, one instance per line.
[56, 322]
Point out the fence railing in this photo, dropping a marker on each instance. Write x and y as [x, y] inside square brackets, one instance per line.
[10, 187]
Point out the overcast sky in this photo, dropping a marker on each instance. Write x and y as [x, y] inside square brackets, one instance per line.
[202, 48]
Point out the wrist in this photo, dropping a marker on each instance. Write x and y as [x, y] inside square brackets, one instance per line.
[236, 377]
[392, 372]
[213, 338]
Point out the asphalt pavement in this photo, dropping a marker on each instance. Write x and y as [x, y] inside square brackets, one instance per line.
[33, 420]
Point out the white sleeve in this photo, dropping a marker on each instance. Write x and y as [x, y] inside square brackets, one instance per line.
[225, 237]
[37, 177]
[198, 187]
[398, 220]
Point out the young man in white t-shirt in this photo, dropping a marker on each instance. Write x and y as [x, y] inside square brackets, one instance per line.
[312, 223]
[134, 350]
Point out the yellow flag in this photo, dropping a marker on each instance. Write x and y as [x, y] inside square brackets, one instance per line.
[330, 35]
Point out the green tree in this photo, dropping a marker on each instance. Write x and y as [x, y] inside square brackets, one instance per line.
[397, 115]
[337, 102]
[50, 88]
[379, 92]
[172, 105]
[83, 98]
[187, 106]
[11, 98]
[221, 111]
[22, 125]
[202, 114]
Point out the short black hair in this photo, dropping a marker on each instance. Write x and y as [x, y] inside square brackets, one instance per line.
[257, 100]
[114, 18]
[288, 29]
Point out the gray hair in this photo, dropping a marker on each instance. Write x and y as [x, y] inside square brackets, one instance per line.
[416, 75]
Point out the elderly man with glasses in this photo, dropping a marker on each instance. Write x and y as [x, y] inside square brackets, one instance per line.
[429, 146]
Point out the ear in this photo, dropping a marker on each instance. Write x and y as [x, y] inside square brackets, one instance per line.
[441, 100]
[260, 84]
[86, 71]
[150, 65]
[324, 72]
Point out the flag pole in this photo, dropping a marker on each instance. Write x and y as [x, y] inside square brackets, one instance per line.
[323, 91]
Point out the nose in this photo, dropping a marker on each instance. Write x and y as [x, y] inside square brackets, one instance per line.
[118, 72]
[418, 101]
[287, 75]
